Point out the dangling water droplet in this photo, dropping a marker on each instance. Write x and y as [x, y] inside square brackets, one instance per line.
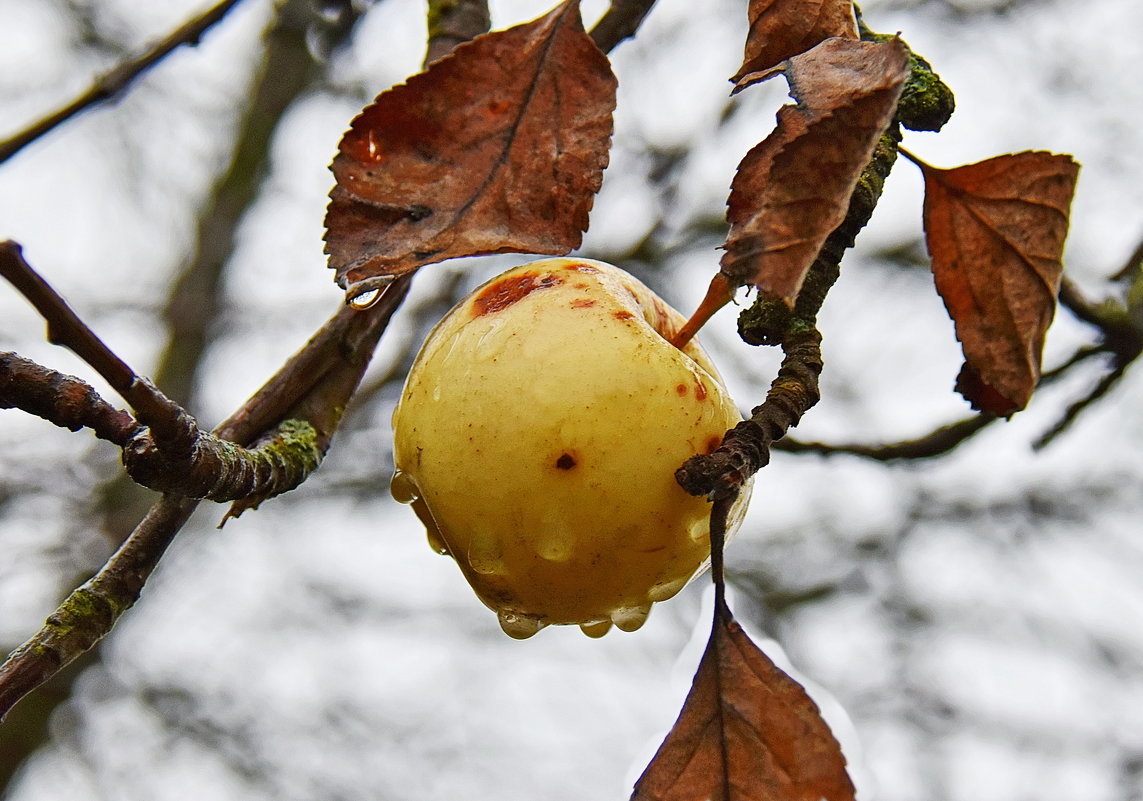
[365, 299]
[436, 541]
[667, 589]
[518, 627]
[595, 629]
[366, 293]
[403, 488]
[630, 618]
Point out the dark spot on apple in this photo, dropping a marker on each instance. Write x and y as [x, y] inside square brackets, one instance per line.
[624, 315]
[681, 390]
[501, 294]
[712, 444]
[565, 462]
[582, 303]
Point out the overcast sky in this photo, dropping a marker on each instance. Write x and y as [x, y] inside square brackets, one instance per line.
[973, 626]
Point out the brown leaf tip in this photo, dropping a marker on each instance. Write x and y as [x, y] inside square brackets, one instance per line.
[781, 29]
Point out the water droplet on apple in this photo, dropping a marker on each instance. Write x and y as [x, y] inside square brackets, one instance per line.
[595, 629]
[436, 542]
[667, 589]
[403, 488]
[519, 627]
[630, 618]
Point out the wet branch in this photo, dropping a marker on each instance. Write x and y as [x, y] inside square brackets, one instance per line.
[168, 452]
[64, 400]
[85, 616]
[118, 79]
[315, 381]
[925, 104]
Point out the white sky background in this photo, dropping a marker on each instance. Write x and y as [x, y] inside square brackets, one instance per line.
[984, 625]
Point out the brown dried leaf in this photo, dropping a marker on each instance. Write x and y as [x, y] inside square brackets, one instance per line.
[793, 188]
[499, 147]
[781, 29]
[995, 231]
[747, 732]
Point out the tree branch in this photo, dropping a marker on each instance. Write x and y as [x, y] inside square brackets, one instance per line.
[325, 369]
[119, 78]
[926, 103]
[171, 454]
[61, 399]
[90, 611]
[192, 308]
[937, 443]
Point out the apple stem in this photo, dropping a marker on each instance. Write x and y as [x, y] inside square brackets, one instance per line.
[718, 294]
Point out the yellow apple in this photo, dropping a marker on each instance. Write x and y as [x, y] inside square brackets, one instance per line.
[537, 438]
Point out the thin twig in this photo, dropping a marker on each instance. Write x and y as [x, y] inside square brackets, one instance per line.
[937, 443]
[1072, 299]
[65, 328]
[1104, 386]
[746, 448]
[719, 515]
[118, 79]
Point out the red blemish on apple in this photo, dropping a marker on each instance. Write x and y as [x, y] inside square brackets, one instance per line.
[681, 390]
[582, 303]
[582, 268]
[501, 294]
[624, 315]
[712, 444]
[700, 391]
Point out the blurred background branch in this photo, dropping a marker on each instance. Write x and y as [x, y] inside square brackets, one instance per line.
[112, 83]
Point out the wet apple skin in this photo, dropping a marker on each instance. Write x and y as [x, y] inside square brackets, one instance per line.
[541, 424]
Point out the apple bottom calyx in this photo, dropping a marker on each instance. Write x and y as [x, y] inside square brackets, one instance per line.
[537, 438]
